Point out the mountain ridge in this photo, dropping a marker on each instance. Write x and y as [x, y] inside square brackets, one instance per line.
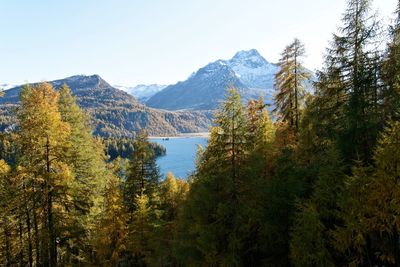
[142, 92]
[114, 112]
[247, 71]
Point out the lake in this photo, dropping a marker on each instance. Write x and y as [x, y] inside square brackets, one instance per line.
[181, 154]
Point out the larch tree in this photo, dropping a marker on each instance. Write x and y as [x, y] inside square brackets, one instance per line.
[141, 200]
[391, 69]
[370, 207]
[44, 140]
[85, 155]
[110, 232]
[210, 218]
[143, 173]
[290, 83]
[7, 254]
[348, 89]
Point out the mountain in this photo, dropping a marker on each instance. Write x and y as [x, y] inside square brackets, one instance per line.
[203, 90]
[142, 92]
[114, 112]
[254, 71]
[247, 71]
[6, 86]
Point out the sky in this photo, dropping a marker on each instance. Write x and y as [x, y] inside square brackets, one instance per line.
[129, 42]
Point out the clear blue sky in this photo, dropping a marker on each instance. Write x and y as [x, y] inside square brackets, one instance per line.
[155, 41]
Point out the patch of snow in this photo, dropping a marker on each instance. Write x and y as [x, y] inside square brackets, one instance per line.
[142, 92]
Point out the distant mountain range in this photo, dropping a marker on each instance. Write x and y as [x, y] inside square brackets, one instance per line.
[205, 89]
[183, 107]
[114, 112]
[142, 92]
[6, 86]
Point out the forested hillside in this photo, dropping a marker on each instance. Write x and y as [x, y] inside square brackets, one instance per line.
[114, 113]
[318, 187]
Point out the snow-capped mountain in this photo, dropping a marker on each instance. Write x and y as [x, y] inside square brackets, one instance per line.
[254, 70]
[6, 86]
[142, 92]
[247, 71]
[203, 90]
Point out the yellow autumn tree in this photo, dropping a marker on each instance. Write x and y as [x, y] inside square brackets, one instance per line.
[371, 206]
[43, 141]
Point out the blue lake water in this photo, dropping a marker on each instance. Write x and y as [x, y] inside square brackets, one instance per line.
[181, 154]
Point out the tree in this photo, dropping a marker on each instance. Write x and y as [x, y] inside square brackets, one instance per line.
[6, 197]
[290, 82]
[140, 230]
[391, 70]
[209, 231]
[173, 193]
[43, 140]
[370, 206]
[348, 91]
[111, 229]
[315, 219]
[85, 156]
[143, 173]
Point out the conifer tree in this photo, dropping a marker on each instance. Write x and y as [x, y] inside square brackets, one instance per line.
[211, 215]
[110, 243]
[173, 192]
[143, 173]
[348, 89]
[290, 82]
[141, 200]
[260, 138]
[370, 207]
[6, 231]
[43, 139]
[391, 69]
[85, 155]
[141, 230]
[311, 240]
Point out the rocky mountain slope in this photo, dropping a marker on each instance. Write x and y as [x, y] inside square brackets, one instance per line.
[247, 71]
[142, 92]
[114, 112]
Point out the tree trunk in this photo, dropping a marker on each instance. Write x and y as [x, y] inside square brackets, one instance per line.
[28, 228]
[296, 108]
[7, 241]
[35, 225]
[21, 239]
[396, 247]
[50, 221]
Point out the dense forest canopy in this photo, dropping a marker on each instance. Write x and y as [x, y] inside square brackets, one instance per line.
[317, 187]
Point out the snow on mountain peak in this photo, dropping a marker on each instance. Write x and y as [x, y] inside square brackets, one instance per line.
[249, 58]
[247, 54]
[253, 69]
[6, 86]
[142, 92]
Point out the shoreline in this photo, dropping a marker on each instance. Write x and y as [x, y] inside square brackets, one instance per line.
[183, 135]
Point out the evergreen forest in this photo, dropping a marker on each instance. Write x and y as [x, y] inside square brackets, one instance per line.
[315, 182]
